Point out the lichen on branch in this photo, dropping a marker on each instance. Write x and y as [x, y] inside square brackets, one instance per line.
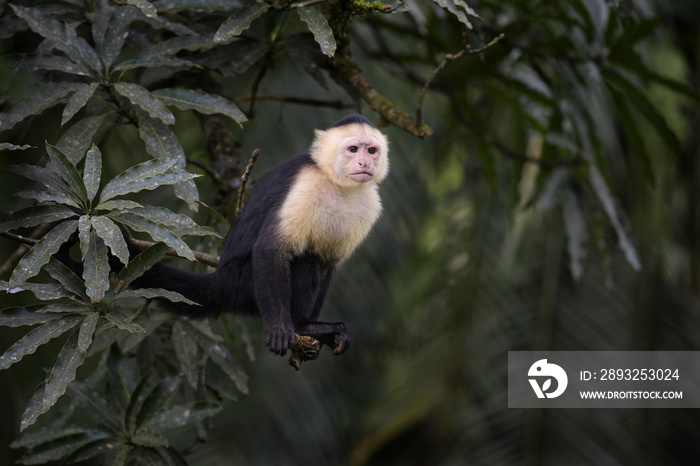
[340, 13]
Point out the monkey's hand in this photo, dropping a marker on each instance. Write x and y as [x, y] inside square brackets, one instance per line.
[279, 338]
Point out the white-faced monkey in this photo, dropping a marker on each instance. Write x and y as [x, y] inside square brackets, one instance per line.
[300, 221]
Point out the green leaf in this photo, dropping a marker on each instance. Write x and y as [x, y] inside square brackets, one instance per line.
[78, 101]
[78, 138]
[143, 99]
[245, 334]
[140, 264]
[37, 337]
[51, 180]
[51, 63]
[118, 204]
[181, 415]
[118, 457]
[153, 62]
[39, 255]
[161, 142]
[121, 379]
[67, 171]
[608, 202]
[60, 448]
[185, 345]
[587, 21]
[202, 102]
[222, 357]
[237, 57]
[84, 228]
[149, 323]
[19, 316]
[46, 196]
[170, 47]
[94, 404]
[132, 179]
[62, 373]
[631, 130]
[66, 277]
[453, 6]
[61, 36]
[158, 232]
[633, 32]
[160, 398]
[639, 100]
[239, 21]
[203, 6]
[96, 270]
[92, 449]
[33, 216]
[44, 96]
[151, 293]
[92, 172]
[171, 456]
[576, 232]
[145, 6]
[87, 330]
[123, 322]
[67, 308]
[138, 398]
[149, 438]
[163, 216]
[318, 25]
[112, 236]
[41, 291]
[46, 435]
[7, 146]
[115, 34]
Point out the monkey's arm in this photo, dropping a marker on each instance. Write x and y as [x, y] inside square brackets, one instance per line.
[272, 288]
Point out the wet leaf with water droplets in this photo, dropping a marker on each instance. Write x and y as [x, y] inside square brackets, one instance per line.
[41, 253]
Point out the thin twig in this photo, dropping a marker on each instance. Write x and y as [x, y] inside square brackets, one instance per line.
[194, 447]
[19, 238]
[18, 253]
[244, 180]
[467, 50]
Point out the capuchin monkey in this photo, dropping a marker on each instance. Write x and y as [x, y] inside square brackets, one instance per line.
[300, 221]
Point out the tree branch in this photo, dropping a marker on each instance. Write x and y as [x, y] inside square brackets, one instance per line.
[467, 50]
[244, 180]
[351, 72]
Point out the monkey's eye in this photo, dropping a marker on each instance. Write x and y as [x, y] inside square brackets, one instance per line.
[372, 150]
[352, 149]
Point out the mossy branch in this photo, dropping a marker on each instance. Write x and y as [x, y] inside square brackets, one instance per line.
[340, 13]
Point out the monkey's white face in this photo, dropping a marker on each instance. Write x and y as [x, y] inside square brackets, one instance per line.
[353, 155]
[359, 160]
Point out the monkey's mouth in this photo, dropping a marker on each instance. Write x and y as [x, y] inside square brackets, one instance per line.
[361, 176]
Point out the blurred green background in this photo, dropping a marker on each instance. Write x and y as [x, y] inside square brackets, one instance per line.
[496, 237]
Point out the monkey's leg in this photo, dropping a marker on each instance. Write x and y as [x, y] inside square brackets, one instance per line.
[335, 335]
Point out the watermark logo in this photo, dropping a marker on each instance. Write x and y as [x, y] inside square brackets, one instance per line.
[544, 371]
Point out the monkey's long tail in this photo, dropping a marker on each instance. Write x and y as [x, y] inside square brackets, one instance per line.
[193, 286]
[196, 287]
